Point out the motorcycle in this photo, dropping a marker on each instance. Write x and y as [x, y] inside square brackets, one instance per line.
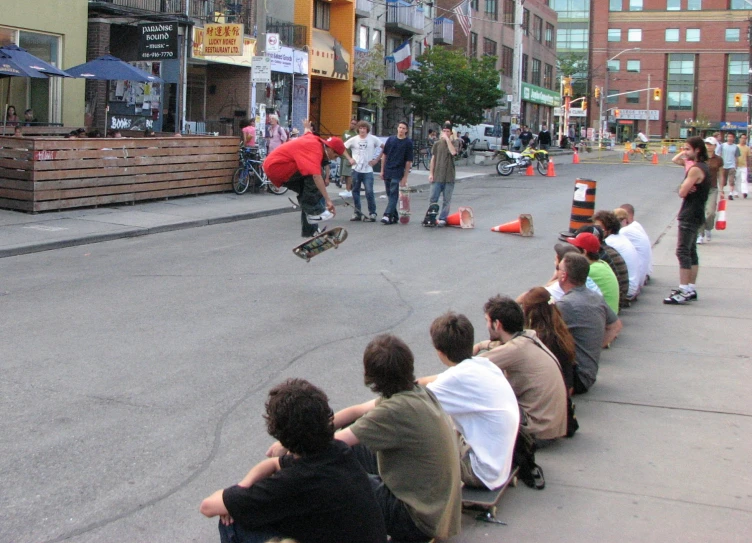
[509, 160]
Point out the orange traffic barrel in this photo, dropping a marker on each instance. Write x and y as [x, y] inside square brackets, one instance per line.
[583, 205]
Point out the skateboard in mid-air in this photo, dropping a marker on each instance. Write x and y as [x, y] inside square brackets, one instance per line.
[430, 218]
[320, 243]
[404, 205]
[486, 501]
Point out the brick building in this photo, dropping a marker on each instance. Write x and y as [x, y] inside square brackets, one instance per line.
[695, 51]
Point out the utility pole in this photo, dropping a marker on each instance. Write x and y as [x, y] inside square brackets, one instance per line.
[647, 110]
[260, 88]
[517, 62]
[749, 79]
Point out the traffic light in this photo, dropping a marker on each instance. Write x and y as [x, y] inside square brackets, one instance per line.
[584, 104]
[737, 100]
[567, 84]
[617, 113]
[597, 93]
[657, 95]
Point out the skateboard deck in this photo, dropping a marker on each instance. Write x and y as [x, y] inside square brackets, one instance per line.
[404, 205]
[430, 218]
[320, 243]
[486, 501]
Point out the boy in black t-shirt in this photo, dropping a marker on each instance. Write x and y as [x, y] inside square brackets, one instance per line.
[317, 494]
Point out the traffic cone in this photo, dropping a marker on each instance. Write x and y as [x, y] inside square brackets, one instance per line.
[583, 205]
[664, 150]
[655, 158]
[529, 172]
[462, 219]
[720, 220]
[575, 158]
[523, 226]
[551, 172]
[625, 158]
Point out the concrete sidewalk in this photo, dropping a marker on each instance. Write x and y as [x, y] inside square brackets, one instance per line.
[22, 233]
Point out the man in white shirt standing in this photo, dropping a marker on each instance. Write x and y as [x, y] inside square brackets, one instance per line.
[366, 153]
[741, 166]
[480, 401]
[729, 153]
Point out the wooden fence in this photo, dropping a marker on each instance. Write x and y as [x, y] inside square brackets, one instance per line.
[43, 174]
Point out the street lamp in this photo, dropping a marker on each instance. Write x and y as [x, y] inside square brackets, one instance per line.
[604, 94]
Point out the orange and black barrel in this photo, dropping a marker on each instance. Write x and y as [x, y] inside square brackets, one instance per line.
[583, 205]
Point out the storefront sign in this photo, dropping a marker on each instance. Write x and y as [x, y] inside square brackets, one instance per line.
[573, 112]
[736, 125]
[282, 61]
[300, 59]
[199, 50]
[223, 40]
[157, 41]
[130, 122]
[638, 114]
[328, 57]
[261, 70]
[273, 44]
[539, 95]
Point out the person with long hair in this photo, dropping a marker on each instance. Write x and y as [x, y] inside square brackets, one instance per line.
[544, 317]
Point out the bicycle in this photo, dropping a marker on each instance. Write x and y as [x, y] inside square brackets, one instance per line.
[251, 167]
[646, 153]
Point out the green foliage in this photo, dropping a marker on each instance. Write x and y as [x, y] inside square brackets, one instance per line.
[570, 64]
[370, 72]
[448, 85]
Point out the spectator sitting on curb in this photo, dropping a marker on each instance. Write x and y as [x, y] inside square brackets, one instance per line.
[638, 236]
[611, 226]
[560, 249]
[640, 242]
[600, 272]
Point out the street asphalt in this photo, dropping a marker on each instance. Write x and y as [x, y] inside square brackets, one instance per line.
[134, 371]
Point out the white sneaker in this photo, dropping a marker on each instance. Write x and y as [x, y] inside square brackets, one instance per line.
[441, 222]
[325, 216]
[707, 236]
[345, 194]
[700, 239]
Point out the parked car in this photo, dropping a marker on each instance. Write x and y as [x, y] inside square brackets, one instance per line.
[488, 136]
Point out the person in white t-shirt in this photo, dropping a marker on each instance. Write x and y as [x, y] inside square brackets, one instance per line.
[635, 233]
[611, 226]
[480, 401]
[364, 153]
[643, 140]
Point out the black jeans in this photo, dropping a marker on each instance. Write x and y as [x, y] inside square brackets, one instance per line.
[686, 245]
[399, 524]
[309, 199]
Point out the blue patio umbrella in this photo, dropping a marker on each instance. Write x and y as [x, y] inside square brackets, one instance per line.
[109, 68]
[28, 61]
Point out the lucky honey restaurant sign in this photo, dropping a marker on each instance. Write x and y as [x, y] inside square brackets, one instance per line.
[199, 50]
[223, 40]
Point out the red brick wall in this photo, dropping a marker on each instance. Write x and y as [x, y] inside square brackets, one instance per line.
[232, 91]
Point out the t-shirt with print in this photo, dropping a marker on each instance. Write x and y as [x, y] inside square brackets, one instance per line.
[363, 150]
[416, 448]
[443, 165]
[484, 409]
[398, 152]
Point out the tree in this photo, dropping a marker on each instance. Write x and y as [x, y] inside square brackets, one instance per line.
[575, 65]
[370, 72]
[446, 85]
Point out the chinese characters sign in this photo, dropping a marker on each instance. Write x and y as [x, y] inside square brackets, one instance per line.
[223, 40]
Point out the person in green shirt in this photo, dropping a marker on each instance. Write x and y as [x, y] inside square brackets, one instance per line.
[600, 272]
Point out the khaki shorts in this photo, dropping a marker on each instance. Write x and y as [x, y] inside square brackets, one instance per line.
[345, 170]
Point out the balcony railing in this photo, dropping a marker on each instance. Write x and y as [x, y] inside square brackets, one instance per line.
[206, 11]
[404, 17]
[290, 34]
[363, 8]
[443, 31]
[392, 73]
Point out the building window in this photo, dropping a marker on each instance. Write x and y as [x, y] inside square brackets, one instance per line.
[732, 34]
[633, 98]
[509, 11]
[693, 35]
[538, 29]
[612, 97]
[507, 60]
[634, 34]
[536, 75]
[321, 15]
[375, 37]
[635, 5]
[673, 5]
[614, 5]
[549, 35]
[572, 9]
[739, 4]
[526, 21]
[672, 34]
[474, 4]
[363, 37]
[695, 5]
[489, 47]
[614, 34]
[681, 82]
[548, 76]
[492, 9]
[738, 72]
[633, 66]
[613, 65]
[524, 68]
[473, 45]
[572, 38]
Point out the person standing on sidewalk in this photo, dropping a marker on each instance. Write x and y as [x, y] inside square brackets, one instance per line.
[715, 165]
[345, 169]
[441, 172]
[741, 166]
[729, 153]
[366, 154]
[395, 167]
[694, 192]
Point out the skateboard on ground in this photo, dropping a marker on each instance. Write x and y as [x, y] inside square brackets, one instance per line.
[430, 218]
[486, 501]
[404, 205]
[320, 243]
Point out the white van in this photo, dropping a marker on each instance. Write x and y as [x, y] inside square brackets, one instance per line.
[489, 138]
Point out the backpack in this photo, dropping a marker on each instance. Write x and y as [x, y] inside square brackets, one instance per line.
[523, 458]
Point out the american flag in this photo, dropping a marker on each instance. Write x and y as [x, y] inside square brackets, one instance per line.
[462, 12]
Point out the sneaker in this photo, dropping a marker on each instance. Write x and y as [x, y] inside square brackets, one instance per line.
[325, 216]
[385, 219]
[707, 236]
[370, 218]
[677, 297]
[441, 222]
[356, 217]
[691, 296]
[700, 239]
[345, 194]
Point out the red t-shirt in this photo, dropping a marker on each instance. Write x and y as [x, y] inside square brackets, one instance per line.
[303, 155]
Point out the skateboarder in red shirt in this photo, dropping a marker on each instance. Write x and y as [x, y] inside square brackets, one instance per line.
[298, 164]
